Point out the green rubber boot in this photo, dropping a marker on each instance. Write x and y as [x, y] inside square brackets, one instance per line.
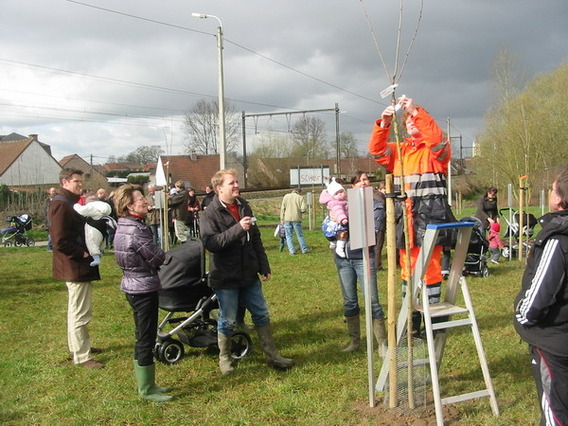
[354, 330]
[146, 379]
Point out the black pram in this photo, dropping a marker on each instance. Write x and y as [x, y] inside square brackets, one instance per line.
[476, 258]
[185, 290]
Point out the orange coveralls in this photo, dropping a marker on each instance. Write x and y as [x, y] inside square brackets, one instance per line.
[425, 163]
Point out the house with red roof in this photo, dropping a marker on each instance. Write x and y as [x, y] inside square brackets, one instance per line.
[25, 161]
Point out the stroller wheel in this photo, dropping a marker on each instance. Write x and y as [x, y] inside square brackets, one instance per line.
[18, 243]
[30, 242]
[241, 345]
[485, 272]
[170, 352]
[505, 252]
[7, 244]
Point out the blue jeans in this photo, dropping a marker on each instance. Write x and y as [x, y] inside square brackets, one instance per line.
[155, 233]
[297, 227]
[250, 297]
[349, 271]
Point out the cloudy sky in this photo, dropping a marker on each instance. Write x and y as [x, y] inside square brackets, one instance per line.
[103, 77]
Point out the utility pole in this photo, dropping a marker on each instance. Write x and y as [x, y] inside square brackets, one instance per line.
[449, 167]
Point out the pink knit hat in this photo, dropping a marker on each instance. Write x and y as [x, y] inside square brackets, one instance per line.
[495, 227]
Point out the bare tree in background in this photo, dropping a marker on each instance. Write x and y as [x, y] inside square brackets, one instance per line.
[271, 144]
[141, 155]
[310, 138]
[202, 127]
[521, 134]
[348, 145]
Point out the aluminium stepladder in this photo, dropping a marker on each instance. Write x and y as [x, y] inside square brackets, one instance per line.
[447, 308]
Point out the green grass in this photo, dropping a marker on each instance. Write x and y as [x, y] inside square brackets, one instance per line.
[327, 387]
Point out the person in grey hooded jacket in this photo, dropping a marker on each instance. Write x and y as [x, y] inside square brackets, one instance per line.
[139, 258]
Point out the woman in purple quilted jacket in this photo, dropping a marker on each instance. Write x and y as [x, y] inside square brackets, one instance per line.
[139, 258]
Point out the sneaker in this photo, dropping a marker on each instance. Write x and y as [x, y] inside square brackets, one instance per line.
[92, 364]
[495, 262]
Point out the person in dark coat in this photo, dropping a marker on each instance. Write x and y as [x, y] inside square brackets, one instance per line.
[71, 263]
[541, 307]
[139, 257]
[236, 259]
[487, 211]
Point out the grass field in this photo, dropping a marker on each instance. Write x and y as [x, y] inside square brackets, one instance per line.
[39, 386]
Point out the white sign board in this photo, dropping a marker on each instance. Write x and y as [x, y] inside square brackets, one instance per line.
[361, 217]
[309, 176]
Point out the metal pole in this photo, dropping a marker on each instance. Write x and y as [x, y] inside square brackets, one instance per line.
[449, 168]
[337, 139]
[222, 133]
[245, 165]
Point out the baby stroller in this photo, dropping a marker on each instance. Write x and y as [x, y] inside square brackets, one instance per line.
[17, 233]
[184, 290]
[476, 258]
[512, 230]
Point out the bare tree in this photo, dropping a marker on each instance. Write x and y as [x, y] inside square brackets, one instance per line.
[521, 134]
[348, 145]
[310, 138]
[144, 155]
[273, 145]
[202, 127]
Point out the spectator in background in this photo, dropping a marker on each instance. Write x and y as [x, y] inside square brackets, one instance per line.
[153, 217]
[487, 210]
[291, 211]
[178, 206]
[193, 207]
[51, 193]
[209, 194]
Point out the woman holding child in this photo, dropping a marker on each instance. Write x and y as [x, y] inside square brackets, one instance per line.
[350, 270]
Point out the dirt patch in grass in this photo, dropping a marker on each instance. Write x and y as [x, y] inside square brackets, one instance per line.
[381, 414]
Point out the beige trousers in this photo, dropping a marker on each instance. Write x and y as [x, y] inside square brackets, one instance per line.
[181, 230]
[79, 315]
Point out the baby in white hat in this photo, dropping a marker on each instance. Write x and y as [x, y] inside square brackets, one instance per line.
[335, 198]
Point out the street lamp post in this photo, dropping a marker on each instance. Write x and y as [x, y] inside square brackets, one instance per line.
[222, 132]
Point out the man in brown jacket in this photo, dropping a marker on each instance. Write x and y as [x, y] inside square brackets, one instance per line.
[71, 264]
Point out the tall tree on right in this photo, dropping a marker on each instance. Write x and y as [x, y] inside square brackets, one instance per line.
[524, 129]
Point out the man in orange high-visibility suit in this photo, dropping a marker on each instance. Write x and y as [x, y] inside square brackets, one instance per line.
[425, 158]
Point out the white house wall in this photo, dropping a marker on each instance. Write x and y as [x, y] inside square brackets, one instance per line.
[33, 167]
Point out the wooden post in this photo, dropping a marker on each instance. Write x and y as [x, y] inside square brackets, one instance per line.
[391, 291]
[521, 214]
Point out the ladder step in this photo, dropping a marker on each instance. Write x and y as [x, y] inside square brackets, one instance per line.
[443, 308]
[466, 397]
[451, 324]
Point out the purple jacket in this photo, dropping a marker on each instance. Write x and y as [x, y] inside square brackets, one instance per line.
[138, 256]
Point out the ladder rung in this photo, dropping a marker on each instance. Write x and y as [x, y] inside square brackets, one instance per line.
[465, 397]
[451, 324]
[442, 309]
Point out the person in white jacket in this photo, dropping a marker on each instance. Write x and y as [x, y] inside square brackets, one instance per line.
[95, 227]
